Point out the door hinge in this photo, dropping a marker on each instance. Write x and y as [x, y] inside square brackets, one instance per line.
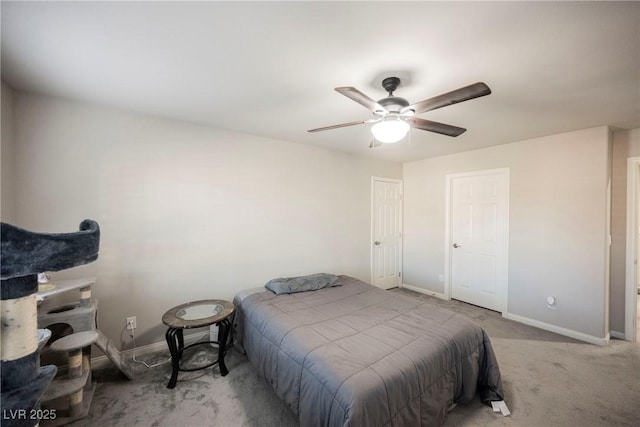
[399, 273]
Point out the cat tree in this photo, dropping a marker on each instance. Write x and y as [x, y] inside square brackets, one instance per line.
[23, 255]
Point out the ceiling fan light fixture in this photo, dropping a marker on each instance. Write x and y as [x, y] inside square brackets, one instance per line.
[390, 130]
[394, 116]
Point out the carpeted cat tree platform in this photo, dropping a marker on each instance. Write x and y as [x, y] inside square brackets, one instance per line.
[23, 255]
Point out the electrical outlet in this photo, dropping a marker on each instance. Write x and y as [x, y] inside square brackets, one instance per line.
[131, 323]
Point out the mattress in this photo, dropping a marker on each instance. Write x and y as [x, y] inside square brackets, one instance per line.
[357, 355]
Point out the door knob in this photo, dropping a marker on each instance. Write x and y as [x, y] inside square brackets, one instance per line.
[455, 245]
[376, 243]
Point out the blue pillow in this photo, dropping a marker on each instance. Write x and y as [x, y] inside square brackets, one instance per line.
[312, 282]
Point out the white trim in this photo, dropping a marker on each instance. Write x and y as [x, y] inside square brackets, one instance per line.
[103, 361]
[425, 291]
[617, 335]
[631, 292]
[400, 219]
[447, 240]
[558, 329]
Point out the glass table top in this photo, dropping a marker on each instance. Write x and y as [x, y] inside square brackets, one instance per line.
[198, 313]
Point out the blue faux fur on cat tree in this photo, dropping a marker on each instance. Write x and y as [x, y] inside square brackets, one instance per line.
[25, 252]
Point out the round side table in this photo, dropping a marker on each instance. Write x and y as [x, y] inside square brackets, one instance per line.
[197, 314]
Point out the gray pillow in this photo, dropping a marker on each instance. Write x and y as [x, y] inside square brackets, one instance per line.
[312, 282]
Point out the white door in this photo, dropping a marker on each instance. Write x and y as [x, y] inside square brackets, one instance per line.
[386, 232]
[478, 209]
[632, 297]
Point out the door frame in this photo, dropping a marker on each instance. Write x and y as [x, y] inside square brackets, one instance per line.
[631, 270]
[375, 179]
[449, 223]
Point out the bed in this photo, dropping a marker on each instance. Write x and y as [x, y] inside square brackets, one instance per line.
[357, 355]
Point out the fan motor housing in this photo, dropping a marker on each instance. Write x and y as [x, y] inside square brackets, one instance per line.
[394, 104]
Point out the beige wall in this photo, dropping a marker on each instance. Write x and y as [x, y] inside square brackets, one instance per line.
[558, 203]
[191, 212]
[7, 186]
[187, 212]
[626, 144]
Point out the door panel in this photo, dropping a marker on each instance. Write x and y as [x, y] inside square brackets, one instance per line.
[487, 267]
[462, 268]
[478, 211]
[386, 233]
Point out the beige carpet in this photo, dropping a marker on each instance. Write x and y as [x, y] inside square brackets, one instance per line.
[549, 380]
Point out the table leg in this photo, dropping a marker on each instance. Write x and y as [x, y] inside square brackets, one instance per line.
[180, 340]
[223, 335]
[175, 342]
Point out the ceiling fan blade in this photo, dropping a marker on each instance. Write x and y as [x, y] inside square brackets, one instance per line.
[361, 98]
[436, 127]
[342, 125]
[466, 93]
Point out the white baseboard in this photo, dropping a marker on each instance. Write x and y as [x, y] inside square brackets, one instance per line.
[618, 335]
[558, 329]
[532, 322]
[103, 361]
[424, 291]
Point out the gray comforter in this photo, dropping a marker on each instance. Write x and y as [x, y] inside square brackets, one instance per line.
[356, 355]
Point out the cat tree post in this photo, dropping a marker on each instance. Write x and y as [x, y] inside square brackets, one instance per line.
[23, 380]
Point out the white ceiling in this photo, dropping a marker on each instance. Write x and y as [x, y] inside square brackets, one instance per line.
[269, 69]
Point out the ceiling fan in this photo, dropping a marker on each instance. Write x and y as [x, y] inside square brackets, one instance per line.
[394, 116]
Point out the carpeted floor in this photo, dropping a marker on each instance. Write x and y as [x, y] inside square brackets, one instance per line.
[549, 380]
